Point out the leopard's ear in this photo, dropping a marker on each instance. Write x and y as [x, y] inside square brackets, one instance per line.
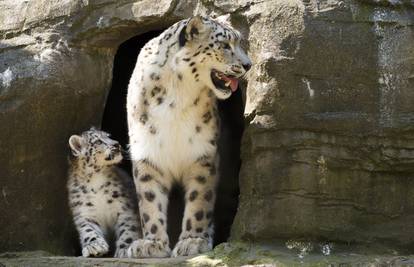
[224, 19]
[195, 29]
[76, 144]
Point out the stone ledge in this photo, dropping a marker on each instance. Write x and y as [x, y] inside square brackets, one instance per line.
[35, 259]
[228, 254]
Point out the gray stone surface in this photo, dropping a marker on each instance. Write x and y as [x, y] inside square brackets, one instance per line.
[43, 259]
[328, 151]
[232, 255]
[55, 72]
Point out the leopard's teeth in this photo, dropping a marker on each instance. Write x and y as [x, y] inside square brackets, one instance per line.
[217, 75]
[228, 83]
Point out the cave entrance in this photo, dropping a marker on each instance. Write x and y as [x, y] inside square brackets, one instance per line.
[231, 112]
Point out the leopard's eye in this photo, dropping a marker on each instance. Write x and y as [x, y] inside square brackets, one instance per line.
[226, 46]
[98, 142]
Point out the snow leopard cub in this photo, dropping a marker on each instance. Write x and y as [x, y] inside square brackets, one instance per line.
[102, 197]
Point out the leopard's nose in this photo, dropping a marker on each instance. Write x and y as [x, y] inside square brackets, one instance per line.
[247, 66]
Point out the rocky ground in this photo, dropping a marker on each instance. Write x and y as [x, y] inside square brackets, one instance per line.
[235, 254]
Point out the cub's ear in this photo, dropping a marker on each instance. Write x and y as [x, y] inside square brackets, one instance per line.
[76, 143]
[195, 29]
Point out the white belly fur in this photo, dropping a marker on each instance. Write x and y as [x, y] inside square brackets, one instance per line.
[175, 145]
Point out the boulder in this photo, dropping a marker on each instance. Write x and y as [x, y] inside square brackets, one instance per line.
[55, 73]
[328, 150]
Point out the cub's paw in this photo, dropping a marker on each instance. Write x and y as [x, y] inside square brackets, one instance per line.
[121, 253]
[147, 248]
[95, 248]
[191, 246]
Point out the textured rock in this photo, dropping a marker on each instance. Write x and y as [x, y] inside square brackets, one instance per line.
[40, 258]
[55, 72]
[56, 62]
[233, 254]
[328, 152]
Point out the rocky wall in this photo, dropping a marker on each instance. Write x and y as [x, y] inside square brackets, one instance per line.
[56, 62]
[328, 150]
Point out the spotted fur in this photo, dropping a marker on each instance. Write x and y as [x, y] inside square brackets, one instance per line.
[101, 196]
[173, 128]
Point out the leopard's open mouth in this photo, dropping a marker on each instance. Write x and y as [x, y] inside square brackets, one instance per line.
[109, 157]
[224, 82]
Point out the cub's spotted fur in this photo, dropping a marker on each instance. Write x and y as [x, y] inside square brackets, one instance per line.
[101, 196]
[173, 128]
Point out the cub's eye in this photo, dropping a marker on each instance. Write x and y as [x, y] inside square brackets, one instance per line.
[99, 142]
[226, 46]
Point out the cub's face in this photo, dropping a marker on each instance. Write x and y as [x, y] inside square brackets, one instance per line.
[215, 57]
[95, 148]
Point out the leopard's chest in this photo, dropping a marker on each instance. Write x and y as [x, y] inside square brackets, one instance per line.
[101, 198]
[177, 136]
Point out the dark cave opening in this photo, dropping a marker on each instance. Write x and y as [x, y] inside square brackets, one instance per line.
[232, 123]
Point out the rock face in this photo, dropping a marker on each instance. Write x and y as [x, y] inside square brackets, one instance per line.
[55, 73]
[328, 151]
[329, 148]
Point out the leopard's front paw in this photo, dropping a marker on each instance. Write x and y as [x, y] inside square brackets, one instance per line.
[95, 248]
[147, 248]
[191, 246]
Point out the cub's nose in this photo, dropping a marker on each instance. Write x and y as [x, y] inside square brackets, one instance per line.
[117, 147]
[247, 66]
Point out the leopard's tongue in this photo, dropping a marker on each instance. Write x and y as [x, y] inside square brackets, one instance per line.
[234, 83]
